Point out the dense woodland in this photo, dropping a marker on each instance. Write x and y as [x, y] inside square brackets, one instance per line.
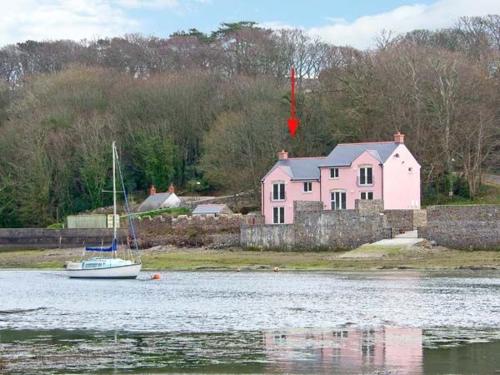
[208, 111]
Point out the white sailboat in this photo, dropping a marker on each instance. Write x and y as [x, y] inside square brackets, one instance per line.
[110, 267]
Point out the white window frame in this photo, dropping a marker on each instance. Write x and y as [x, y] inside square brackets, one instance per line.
[365, 167]
[333, 202]
[307, 187]
[336, 173]
[366, 195]
[280, 211]
[281, 191]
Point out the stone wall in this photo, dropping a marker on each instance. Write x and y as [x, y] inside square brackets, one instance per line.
[278, 237]
[342, 229]
[419, 218]
[405, 220]
[190, 231]
[301, 207]
[39, 238]
[398, 220]
[315, 229]
[471, 227]
[369, 206]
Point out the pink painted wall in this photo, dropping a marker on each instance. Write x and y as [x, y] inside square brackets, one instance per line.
[401, 185]
[293, 192]
[348, 181]
[397, 182]
[403, 350]
[340, 351]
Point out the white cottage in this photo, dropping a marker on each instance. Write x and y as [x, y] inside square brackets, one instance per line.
[156, 201]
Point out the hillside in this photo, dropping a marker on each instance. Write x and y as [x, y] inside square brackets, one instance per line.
[208, 111]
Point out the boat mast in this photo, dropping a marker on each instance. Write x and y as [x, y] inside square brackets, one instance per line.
[114, 193]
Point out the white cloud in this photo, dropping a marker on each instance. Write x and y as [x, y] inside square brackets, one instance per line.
[277, 25]
[62, 19]
[361, 33]
[21, 20]
[86, 19]
[151, 4]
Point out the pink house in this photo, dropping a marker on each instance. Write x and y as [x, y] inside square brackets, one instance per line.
[371, 170]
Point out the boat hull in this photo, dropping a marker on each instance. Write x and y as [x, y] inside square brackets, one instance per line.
[120, 272]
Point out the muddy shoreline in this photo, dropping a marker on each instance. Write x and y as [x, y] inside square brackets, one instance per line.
[174, 258]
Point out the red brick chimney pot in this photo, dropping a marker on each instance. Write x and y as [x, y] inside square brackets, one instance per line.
[282, 155]
[399, 137]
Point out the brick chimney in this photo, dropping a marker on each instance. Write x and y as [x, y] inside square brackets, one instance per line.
[399, 137]
[282, 155]
[152, 190]
[171, 189]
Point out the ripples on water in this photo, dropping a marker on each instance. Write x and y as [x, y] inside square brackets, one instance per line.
[407, 323]
[223, 301]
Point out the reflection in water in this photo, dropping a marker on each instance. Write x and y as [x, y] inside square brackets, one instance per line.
[348, 350]
[246, 323]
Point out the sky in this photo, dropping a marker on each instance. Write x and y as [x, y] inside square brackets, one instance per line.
[347, 22]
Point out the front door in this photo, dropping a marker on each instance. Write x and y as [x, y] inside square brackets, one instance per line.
[339, 200]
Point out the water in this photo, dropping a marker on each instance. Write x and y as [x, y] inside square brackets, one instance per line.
[383, 322]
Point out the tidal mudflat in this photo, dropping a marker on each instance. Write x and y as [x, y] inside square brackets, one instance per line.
[174, 259]
[404, 322]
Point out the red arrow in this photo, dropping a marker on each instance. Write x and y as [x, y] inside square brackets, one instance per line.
[293, 124]
[293, 121]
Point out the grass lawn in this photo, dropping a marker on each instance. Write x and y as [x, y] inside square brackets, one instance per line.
[193, 259]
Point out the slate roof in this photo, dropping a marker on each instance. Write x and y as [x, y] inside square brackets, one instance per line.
[210, 209]
[342, 155]
[153, 202]
[300, 168]
[345, 153]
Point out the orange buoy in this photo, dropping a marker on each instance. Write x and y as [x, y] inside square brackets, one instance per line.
[155, 276]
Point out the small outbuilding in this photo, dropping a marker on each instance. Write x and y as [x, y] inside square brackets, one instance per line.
[212, 209]
[86, 221]
[156, 200]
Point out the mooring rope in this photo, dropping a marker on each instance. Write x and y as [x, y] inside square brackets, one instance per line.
[127, 208]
